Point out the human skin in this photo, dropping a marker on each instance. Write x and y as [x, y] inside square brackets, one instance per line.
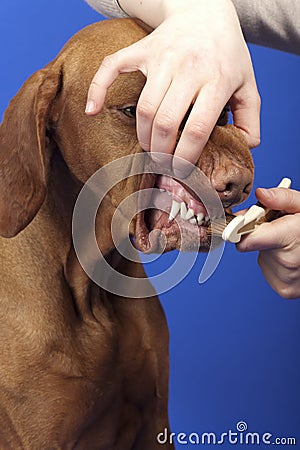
[195, 55]
[278, 242]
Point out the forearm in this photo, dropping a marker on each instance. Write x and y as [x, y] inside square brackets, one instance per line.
[272, 23]
[152, 12]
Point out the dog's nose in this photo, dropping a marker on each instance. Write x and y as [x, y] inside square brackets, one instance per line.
[233, 184]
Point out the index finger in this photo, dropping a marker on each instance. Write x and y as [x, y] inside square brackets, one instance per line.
[104, 77]
[201, 121]
[111, 67]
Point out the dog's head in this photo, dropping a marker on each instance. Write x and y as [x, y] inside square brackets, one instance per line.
[49, 108]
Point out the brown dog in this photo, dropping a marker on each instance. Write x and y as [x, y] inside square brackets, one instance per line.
[81, 367]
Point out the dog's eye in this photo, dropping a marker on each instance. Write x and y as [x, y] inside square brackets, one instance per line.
[130, 111]
[223, 119]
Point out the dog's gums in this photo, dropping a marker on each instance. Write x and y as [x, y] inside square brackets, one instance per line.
[85, 364]
[175, 214]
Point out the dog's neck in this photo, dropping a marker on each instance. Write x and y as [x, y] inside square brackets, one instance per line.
[63, 190]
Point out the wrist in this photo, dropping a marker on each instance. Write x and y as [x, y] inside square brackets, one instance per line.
[149, 11]
[171, 7]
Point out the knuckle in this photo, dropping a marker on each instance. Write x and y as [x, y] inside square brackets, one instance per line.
[260, 260]
[242, 247]
[222, 75]
[288, 262]
[109, 61]
[198, 131]
[286, 196]
[258, 100]
[165, 125]
[254, 141]
[193, 62]
[285, 280]
[94, 84]
[290, 278]
[292, 199]
[145, 110]
[254, 98]
[145, 145]
[288, 292]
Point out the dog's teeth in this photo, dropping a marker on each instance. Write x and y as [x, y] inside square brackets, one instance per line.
[206, 218]
[200, 218]
[174, 210]
[193, 221]
[189, 214]
[183, 210]
[162, 190]
[201, 222]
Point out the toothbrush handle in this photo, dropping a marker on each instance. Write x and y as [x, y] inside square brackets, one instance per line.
[272, 214]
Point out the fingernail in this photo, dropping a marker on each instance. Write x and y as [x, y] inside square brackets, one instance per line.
[90, 106]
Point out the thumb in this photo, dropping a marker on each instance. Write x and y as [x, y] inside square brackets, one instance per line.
[284, 199]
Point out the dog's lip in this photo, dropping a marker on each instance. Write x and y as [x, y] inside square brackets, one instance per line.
[168, 234]
[149, 240]
[142, 239]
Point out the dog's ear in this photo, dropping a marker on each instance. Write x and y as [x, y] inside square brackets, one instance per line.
[22, 151]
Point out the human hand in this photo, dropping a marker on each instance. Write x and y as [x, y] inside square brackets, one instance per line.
[197, 55]
[278, 242]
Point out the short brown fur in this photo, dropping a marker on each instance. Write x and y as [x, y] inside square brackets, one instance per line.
[80, 368]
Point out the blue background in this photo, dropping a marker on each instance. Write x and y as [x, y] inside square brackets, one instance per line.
[235, 344]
